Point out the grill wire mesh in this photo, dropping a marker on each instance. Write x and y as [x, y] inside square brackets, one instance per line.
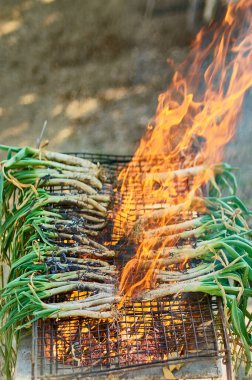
[165, 330]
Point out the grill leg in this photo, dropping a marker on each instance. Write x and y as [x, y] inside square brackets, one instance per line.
[226, 342]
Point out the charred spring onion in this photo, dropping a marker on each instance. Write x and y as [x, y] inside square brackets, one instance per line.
[51, 211]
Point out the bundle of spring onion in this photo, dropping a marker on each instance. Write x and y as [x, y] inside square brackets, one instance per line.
[217, 247]
[49, 242]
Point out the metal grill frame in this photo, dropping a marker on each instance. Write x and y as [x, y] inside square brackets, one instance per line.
[193, 324]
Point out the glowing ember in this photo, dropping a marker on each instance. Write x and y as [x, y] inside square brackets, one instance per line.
[195, 118]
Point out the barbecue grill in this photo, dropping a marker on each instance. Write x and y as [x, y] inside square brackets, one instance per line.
[147, 338]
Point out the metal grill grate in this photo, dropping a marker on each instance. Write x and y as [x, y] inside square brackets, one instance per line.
[166, 330]
[159, 331]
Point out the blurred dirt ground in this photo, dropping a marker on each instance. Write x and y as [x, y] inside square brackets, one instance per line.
[93, 69]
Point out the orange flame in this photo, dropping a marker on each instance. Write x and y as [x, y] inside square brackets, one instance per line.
[196, 117]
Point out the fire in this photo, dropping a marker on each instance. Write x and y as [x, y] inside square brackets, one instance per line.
[195, 118]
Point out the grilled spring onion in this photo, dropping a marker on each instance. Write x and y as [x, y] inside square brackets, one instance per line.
[225, 269]
[33, 224]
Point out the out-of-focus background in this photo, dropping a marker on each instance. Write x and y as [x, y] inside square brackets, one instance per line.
[93, 69]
